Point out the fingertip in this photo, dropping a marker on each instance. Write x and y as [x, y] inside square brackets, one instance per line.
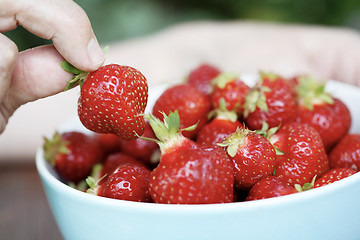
[95, 54]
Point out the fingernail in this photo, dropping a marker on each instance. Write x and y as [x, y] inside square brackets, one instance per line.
[96, 54]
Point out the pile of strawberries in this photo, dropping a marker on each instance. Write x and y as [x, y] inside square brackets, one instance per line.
[211, 139]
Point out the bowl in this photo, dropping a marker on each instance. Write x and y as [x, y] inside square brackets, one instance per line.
[329, 212]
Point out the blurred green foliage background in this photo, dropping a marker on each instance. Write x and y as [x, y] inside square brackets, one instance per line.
[120, 19]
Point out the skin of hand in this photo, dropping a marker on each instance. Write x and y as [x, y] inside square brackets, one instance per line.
[36, 73]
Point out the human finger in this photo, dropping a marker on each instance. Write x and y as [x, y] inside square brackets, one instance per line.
[62, 21]
[8, 56]
[37, 74]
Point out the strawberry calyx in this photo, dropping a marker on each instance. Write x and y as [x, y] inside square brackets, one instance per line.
[79, 75]
[233, 142]
[256, 98]
[307, 186]
[223, 112]
[93, 181]
[311, 91]
[224, 78]
[168, 131]
[78, 78]
[268, 75]
[93, 185]
[267, 133]
[54, 146]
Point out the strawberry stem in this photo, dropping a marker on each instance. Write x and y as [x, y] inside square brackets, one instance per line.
[78, 78]
[168, 131]
[224, 78]
[54, 146]
[256, 98]
[79, 75]
[234, 141]
[223, 112]
[311, 91]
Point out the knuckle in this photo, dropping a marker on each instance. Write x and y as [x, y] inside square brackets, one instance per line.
[8, 52]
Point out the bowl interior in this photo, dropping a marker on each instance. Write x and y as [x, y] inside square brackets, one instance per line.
[219, 219]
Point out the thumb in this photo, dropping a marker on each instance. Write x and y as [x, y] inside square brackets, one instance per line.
[65, 23]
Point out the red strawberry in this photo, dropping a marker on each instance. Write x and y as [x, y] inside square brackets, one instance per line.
[73, 154]
[222, 123]
[202, 76]
[128, 181]
[334, 175]
[141, 149]
[272, 186]
[346, 153]
[188, 173]
[328, 115]
[108, 142]
[229, 87]
[271, 100]
[253, 157]
[192, 105]
[115, 160]
[304, 155]
[217, 130]
[112, 99]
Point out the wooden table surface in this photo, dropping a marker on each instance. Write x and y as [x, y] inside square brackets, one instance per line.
[24, 210]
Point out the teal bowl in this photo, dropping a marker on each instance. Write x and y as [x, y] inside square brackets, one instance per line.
[329, 212]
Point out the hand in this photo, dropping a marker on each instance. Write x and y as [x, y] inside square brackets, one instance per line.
[36, 73]
[245, 48]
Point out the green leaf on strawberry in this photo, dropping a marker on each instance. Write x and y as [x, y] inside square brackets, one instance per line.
[223, 78]
[256, 98]
[312, 91]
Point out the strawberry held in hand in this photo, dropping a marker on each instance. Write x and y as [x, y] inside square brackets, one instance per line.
[112, 100]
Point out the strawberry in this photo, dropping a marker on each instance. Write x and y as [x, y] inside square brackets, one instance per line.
[346, 153]
[191, 104]
[141, 149]
[304, 155]
[272, 186]
[271, 100]
[222, 125]
[253, 157]
[112, 99]
[114, 160]
[202, 76]
[334, 175]
[128, 181]
[216, 131]
[73, 154]
[108, 142]
[188, 173]
[328, 115]
[229, 87]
